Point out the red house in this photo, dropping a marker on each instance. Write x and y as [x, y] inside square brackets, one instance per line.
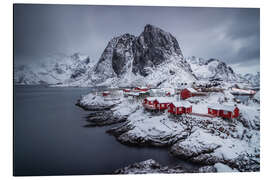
[162, 103]
[223, 111]
[141, 89]
[126, 90]
[179, 108]
[190, 92]
[105, 93]
[150, 103]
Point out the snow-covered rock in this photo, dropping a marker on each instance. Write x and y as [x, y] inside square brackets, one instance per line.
[151, 166]
[224, 168]
[253, 79]
[144, 128]
[212, 69]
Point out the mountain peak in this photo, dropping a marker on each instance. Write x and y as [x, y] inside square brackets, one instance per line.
[128, 56]
[149, 27]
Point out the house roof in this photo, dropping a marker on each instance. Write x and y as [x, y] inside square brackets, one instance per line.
[181, 104]
[242, 91]
[191, 90]
[143, 87]
[151, 98]
[164, 99]
[133, 93]
[170, 90]
[222, 107]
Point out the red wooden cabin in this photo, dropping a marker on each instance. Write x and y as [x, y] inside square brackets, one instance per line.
[190, 92]
[126, 90]
[179, 108]
[162, 103]
[149, 103]
[227, 112]
[105, 93]
[141, 89]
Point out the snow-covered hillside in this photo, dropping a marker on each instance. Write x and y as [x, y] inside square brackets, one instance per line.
[55, 69]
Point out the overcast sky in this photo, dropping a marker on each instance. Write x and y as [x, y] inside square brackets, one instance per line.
[229, 34]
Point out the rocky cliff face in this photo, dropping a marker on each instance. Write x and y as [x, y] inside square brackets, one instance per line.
[153, 47]
[132, 59]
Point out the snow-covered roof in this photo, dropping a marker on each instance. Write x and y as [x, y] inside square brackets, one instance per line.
[143, 87]
[222, 107]
[164, 99]
[192, 90]
[151, 98]
[242, 91]
[181, 104]
[171, 90]
[133, 93]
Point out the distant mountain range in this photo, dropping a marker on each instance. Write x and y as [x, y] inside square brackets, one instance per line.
[153, 58]
[55, 69]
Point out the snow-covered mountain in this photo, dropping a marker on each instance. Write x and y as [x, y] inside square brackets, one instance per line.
[152, 58]
[253, 79]
[55, 69]
[212, 69]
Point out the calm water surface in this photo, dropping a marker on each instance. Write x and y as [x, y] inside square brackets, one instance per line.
[50, 137]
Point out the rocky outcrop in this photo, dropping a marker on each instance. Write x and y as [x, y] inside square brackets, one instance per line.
[151, 166]
[147, 130]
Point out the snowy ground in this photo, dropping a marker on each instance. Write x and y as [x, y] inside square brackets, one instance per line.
[229, 145]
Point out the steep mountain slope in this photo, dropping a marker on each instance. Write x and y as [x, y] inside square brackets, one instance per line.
[154, 57]
[56, 69]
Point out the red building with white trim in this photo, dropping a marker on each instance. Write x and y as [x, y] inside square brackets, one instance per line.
[162, 103]
[190, 92]
[149, 103]
[224, 111]
[179, 108]
[141, 89]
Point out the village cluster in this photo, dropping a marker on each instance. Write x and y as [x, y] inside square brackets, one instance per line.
[175, 101]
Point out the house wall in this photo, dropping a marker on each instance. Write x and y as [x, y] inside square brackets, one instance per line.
[163, 106]
[185, 94]
[226, 114]
[236, 112]
[172, 109]
[213, 112]
[189, 110]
